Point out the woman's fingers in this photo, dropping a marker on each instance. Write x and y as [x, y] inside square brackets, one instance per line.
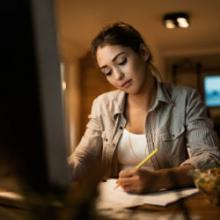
[127, 180]
[136, 181]
[131, 189]
[127, 177]
[131, 185]
[127, 173]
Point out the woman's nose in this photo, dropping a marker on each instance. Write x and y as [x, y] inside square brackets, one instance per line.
[119, 74]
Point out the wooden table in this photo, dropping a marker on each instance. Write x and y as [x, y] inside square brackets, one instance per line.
[196, 207]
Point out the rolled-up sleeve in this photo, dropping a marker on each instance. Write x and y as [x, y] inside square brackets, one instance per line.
[87, 155]
[202, 140]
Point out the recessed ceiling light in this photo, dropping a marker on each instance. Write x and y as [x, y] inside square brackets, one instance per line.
[176, 20]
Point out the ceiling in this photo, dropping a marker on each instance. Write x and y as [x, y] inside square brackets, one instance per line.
[80, 20]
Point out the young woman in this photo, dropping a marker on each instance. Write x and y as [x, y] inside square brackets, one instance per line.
[142, 114]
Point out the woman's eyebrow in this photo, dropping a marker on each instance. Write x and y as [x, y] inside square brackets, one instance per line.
[114, 58]
[118, 55]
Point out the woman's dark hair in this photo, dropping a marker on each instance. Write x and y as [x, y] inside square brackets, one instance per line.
[119, 34]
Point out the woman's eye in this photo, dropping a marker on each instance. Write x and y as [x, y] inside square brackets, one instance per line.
[122, 61]
[107, 72]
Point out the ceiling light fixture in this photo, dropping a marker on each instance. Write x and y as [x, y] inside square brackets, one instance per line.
[176, 20]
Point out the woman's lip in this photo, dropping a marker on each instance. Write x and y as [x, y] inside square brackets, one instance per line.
[126, 83]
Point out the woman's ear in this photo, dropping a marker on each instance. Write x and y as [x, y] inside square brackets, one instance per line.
[144, 52]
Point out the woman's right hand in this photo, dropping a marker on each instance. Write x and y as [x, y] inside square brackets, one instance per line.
[139, 181]
[144, 181]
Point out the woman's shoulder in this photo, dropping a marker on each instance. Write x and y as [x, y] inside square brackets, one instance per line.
[108, 97]
[177, 91]
[110, 102]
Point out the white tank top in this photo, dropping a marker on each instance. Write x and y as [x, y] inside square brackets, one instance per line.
[132, 148]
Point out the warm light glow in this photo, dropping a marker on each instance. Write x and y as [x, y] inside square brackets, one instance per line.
[169, 24]
[63, 85]
[182, 22]
[62, 74]
[176, 20]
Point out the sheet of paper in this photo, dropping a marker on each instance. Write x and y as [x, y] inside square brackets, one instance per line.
[111, 198]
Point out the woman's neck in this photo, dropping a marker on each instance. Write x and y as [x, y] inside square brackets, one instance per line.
[145, 97]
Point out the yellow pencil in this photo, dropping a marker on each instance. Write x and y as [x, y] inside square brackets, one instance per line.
[141, 164]
[147, 158]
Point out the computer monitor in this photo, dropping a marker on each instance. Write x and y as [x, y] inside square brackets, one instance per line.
[212, 90]
[32, 126]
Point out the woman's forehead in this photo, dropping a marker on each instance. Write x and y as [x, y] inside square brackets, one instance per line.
[107, 53]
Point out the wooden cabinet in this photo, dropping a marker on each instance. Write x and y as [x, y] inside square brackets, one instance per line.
[92, 84]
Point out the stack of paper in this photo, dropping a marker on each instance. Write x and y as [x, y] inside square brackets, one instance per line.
[111, 198]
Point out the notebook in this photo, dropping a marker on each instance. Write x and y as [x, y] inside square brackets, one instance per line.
[115, 198]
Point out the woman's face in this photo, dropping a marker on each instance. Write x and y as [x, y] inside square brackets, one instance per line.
[124, 69]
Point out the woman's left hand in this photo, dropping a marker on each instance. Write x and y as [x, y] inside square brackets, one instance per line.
[138, 181]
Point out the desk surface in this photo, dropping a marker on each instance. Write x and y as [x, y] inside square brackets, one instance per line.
[196, 207]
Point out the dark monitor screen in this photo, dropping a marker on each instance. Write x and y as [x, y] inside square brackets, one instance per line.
[32, 135]
[212, 90]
